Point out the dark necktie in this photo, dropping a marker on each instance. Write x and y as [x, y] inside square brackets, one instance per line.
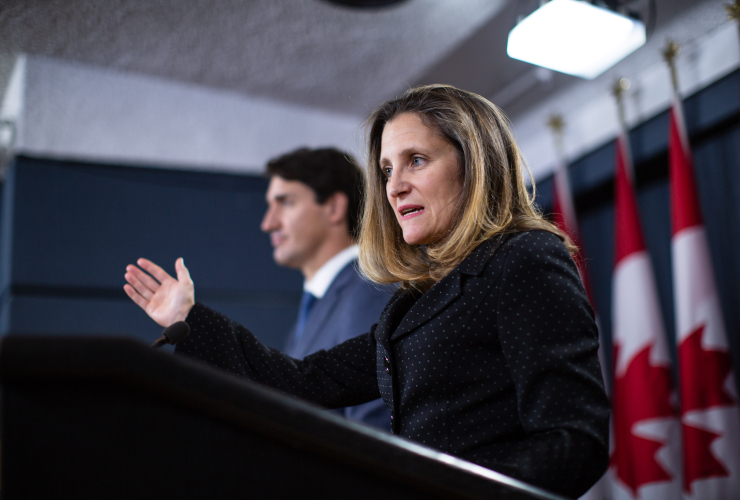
[307, 302]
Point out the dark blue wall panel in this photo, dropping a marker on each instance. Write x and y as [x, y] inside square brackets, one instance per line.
[717, 163]
[69, 229]
[96, 217]
[31, 315]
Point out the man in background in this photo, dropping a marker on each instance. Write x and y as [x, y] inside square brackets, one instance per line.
[313, 215]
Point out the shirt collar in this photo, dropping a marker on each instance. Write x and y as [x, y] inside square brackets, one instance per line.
[322, 280]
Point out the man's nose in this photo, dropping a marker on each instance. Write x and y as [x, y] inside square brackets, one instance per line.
[269, 221]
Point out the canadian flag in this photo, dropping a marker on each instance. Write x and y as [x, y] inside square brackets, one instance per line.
[564, 216]
[710, 418]
[646, 455]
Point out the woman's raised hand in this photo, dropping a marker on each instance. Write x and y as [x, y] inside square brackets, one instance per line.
[166, 300]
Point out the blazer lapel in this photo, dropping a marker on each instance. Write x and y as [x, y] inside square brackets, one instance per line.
[324, 307]
[393, 314]
[446, 290]
[430, 304]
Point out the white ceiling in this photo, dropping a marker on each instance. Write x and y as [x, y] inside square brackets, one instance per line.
[308, 52]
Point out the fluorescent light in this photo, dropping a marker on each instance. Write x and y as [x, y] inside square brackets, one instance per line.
[575, 37]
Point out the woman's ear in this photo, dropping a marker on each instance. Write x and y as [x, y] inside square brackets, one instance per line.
[336, 208]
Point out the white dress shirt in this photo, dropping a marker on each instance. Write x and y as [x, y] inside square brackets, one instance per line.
[322, 280]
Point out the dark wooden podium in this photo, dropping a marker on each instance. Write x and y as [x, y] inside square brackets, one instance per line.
[105, 418]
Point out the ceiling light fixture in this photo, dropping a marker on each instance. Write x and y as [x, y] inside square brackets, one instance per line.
[575, 37]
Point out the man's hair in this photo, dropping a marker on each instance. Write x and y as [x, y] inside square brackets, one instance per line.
[326, 171]
[494, 200]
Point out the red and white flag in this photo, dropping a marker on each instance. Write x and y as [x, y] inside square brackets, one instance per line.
[646, 461]
[710, 416]
[564, 216]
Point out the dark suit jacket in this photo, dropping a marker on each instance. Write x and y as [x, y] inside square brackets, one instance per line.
[349, 308]
[496, 364]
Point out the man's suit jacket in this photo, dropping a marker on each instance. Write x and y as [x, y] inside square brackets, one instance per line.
[350, 306]
[496, 364]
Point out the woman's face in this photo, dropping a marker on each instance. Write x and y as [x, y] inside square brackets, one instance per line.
[423, 178]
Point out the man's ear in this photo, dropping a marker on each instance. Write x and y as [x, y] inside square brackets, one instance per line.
[336, 207]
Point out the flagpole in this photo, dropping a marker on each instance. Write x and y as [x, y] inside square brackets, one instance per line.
[671, 51]
[710, 416]
[564, 215]
[556, 124]
[733, 12]
[617, 91]
[620, 86]
[642, 387]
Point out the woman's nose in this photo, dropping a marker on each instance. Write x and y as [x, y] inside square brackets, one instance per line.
[397, 186]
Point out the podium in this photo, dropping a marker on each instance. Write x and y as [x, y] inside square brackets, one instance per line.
[111, 418]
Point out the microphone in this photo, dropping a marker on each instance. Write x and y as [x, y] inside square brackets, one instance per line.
[172, 334]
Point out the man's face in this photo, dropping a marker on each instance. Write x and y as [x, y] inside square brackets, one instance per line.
[296, 223]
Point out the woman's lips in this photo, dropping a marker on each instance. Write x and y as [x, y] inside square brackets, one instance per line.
[409, 211]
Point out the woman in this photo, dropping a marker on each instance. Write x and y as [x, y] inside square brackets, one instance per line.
[488, 350]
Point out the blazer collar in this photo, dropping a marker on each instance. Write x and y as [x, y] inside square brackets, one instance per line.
[476, 261]
[442, 293]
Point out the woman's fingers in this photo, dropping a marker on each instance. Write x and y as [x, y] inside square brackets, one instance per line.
[153, 269]
[183, 275]
[141, 282]
[133, 295]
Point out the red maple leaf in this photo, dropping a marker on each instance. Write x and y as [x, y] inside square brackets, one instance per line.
[642, 393]
[703, 376]
[699, 462]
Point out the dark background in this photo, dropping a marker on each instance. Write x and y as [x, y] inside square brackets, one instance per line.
[69, 230]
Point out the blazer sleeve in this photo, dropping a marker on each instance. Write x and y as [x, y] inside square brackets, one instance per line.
[549, 339]
[342, 376]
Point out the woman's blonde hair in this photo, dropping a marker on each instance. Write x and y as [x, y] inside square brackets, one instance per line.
[494, 200]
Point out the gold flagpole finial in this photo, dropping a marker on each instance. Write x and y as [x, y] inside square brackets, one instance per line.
[557, 124]
[619, 87]
[617, 91]
[670, 53]
[733, 10]
[671, 50]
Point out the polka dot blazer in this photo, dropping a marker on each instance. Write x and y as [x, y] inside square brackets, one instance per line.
[495, 364]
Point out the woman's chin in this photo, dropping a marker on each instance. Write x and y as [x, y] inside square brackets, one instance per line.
[415, 239]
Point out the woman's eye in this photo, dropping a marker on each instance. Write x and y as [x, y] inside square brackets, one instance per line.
[387, 171]
[416, 160]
